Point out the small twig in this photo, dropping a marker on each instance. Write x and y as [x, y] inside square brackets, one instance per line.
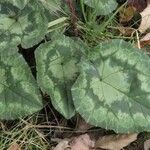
[50, 126]
[138, 39]
[58, 140]
[29, 125]
[73, 15]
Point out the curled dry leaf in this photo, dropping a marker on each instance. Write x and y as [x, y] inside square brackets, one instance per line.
[147, 145]
[115, 142]
[145, 23]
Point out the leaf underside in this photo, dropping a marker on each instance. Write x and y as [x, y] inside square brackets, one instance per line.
[113, 89]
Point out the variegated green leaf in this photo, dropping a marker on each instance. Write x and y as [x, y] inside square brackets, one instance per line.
[19, 3]
[27, 26]
[57, 71]
[113, 89]
[102, 7]
[19, 93]
[52, 5]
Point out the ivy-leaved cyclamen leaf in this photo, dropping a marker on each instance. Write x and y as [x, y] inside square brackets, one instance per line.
[19, 93]
[57, 70]
[26, 27]
[113, 89]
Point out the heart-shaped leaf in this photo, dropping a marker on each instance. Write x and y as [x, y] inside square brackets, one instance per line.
[57, 71]
[26, 27]
[102, 7]
[113, 89]
[19, 93]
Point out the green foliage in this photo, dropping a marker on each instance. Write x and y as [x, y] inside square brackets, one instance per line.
[107, 84]
[113, 81]
[112, 90]
[102, 7]
[19, 93]
[57, 70]
[18, 3]
[27, 26]
[52, 5]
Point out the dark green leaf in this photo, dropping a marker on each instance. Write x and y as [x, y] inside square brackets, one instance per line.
[19, 3]
[19, 93]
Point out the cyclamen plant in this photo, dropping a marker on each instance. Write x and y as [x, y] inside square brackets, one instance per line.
[108, 84]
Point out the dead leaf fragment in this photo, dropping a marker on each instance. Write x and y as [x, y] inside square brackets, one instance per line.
[115, 142]
[147, 145]
[62, 145]
[83, 142]
[140, 5]
[146, 37]
[82, 124]
[145, 23]
[144, 41]
[14, 146]
[126, 31]
[126, 14]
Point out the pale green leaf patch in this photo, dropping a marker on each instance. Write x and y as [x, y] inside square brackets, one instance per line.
[102, 7]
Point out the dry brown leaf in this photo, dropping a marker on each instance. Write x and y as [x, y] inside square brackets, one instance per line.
[115, 142]
[126, 31]
[146, 37]
[145, 23]
[147, 145]
[83, 142]
[140, 5]
[14, 146]
[62, 145]
[145, 40]
[126, 14]
[82, 124]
